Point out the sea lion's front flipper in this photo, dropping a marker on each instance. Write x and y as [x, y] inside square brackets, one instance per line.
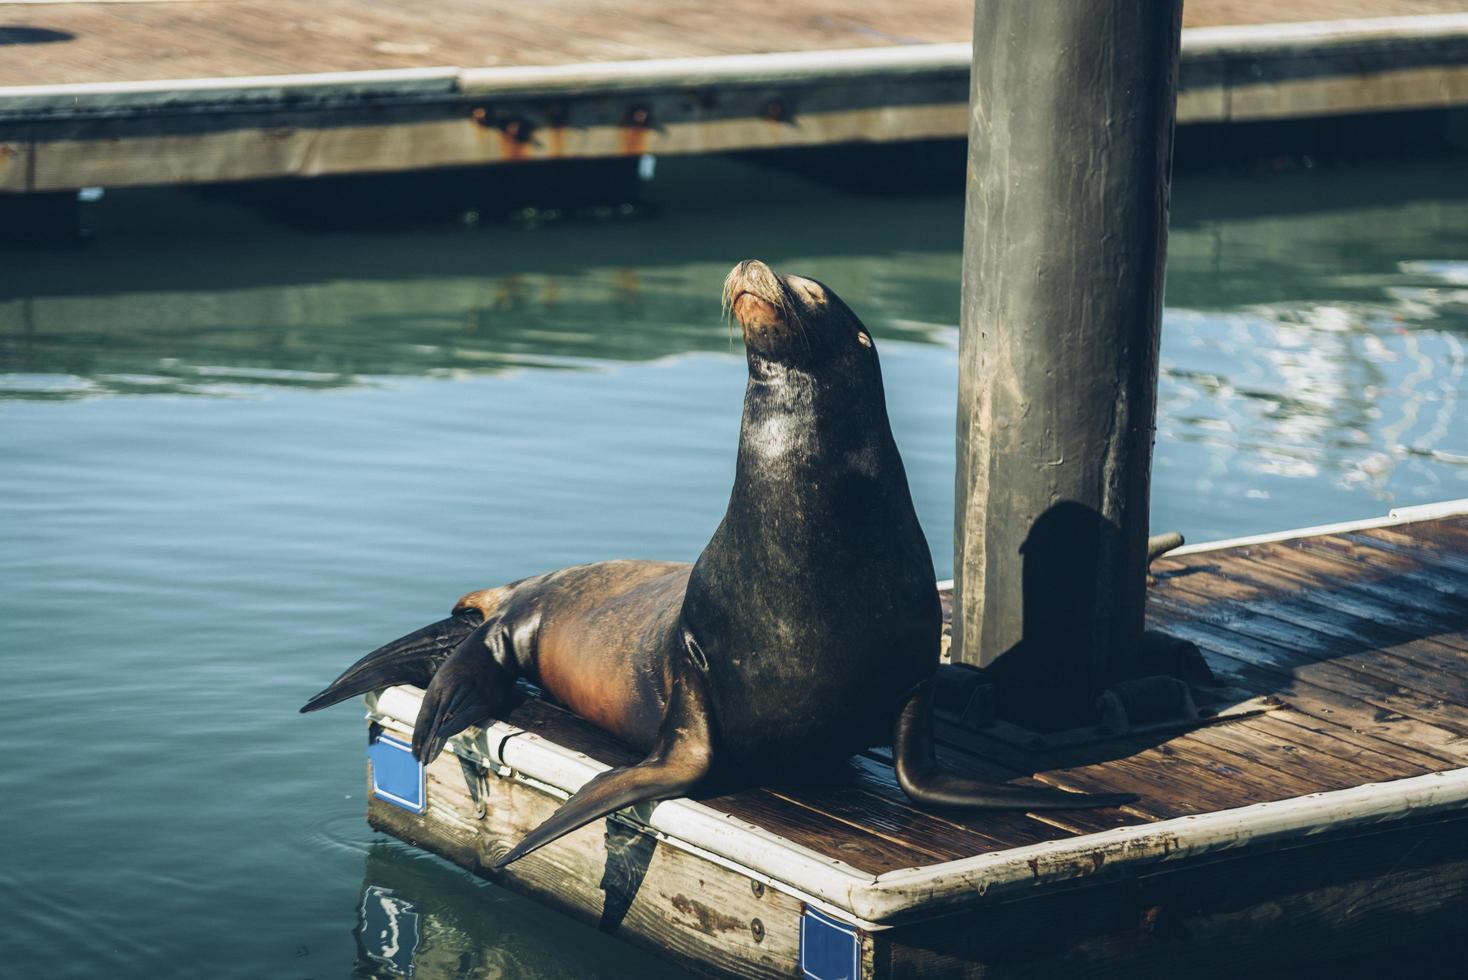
[918, 772]
[410, 659]
[681, 758]
[473, 683]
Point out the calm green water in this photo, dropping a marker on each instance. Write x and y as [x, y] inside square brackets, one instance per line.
[235, 457]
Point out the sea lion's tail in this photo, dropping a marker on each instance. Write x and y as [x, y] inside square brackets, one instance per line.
[412, 659]
[914, 755]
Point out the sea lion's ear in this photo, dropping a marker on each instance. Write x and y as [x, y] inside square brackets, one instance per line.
[864, 338]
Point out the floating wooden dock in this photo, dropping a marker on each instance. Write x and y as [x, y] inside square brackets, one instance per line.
[118, 94]
[1320, 811]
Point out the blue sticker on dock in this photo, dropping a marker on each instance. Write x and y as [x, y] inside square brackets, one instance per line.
[829, 948]
[396, 776]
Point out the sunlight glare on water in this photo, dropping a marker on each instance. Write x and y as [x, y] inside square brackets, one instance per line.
[237, 456]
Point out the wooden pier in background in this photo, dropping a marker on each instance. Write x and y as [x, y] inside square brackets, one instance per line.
[198, 91]
[1318, 810]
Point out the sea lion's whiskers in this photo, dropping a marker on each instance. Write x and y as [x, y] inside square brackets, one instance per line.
[792, 316]
[726, 301]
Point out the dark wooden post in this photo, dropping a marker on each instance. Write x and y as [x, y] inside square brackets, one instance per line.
[1072, 105]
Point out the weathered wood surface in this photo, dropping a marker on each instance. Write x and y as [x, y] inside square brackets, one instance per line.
[135, 94]
[213, 38]
[1300, 620]
[683, 907]
[1267, 914]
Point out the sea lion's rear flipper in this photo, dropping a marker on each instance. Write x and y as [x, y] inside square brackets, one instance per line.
[679, 761]
[918, 772]
[410, 659]
[474, 682]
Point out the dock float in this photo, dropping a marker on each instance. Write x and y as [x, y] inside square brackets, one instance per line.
[82, 103]
[1318, 808]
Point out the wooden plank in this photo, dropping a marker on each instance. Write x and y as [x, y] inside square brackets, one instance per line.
[258, 37]
[1361, 712]
[1002, 829]
[1214, 772]
[1376, 760]
[1419, 648]
[862, 817]
[1397, 582]
[910, 828]
[788, 817]
[844, 840]
[113, 153]
[176, 136]
[1297, 724]
[1451, 530]
[1290, 646]
[1261, 665]
[1183, 774]
[1409, 607]
[1347, 701]
[1400, 90]
[1174, 778]
[675, 903]
[1268, 912]
[1425, 545]
[1295, 758]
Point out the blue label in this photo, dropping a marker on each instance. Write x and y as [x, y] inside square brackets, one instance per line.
[396, 776]
[829, 948]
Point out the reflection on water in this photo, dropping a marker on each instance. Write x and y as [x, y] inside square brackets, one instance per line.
[263, 305]
[1314, 348]
[237, 457]
[420, 918]
[387, 933]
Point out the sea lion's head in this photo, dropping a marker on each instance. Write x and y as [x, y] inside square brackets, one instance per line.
[794, 321]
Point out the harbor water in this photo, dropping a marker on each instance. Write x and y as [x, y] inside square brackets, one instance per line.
[236, 455]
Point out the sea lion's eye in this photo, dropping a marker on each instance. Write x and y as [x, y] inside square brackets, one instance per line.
[863, 338]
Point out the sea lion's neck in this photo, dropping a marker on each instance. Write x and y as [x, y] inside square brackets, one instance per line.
[793, 420]
[810, 447]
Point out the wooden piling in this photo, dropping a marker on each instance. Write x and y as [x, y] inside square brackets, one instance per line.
[1072, 110]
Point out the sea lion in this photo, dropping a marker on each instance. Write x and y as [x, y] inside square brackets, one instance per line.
[807, 630]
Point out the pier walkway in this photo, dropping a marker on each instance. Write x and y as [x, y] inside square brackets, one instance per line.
[134, 92]
[1323, 811]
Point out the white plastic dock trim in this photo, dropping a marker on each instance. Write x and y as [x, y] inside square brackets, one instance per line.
[878, 901]
[934, 888]
[739, 69]
[1398, 515]
[264, 90]
[825, 882]
[806, 66]
[1314, 36]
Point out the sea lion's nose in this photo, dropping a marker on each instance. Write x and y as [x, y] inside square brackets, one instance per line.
[752, 294]
[754, 313]
[748, 276]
